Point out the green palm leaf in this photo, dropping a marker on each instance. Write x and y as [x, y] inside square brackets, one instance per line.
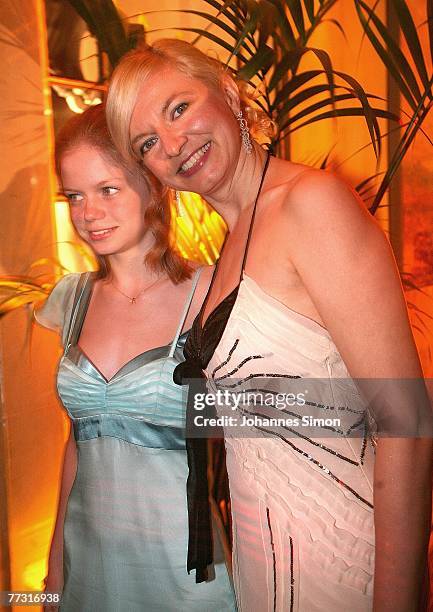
[229, 10]
[390, 53]
[261, 62]
[296, 11]
[408, 30]
[309, 9]
[104, 23]
[407, 139]
[430, 27]
[353, 111]
[413, 80]
[295, 83]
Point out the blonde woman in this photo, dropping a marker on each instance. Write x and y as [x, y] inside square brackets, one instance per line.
[306, 286]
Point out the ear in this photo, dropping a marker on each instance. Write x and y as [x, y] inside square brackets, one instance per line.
[231, 92]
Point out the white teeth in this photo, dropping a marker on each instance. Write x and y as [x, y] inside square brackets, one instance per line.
[194, 159]
[100, 232]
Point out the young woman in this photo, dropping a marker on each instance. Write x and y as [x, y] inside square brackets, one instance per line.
[120, 540]
[306, 287]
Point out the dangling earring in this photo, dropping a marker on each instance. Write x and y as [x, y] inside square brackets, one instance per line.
[179, 206]
[245, 133]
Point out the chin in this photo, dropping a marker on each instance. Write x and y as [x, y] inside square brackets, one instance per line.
[206, 179]
[210, 183]
[101, 250]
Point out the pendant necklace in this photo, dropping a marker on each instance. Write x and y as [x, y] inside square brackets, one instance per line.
[133, 298]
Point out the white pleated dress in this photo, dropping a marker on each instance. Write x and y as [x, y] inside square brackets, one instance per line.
[302, 508]
[301, 499]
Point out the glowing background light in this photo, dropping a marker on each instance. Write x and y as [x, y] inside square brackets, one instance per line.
[197, 229]
[73, 255]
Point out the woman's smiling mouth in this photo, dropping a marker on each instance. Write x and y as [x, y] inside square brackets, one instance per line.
[194, 161]
[100, 234]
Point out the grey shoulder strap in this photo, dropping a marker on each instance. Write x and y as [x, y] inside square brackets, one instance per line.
[82, 285]
[185, 312]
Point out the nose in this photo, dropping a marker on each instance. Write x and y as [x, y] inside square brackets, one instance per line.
[92, 211]
[172, 142]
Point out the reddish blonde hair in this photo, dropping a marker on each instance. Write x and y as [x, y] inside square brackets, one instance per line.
[90, 128]
[138, 65]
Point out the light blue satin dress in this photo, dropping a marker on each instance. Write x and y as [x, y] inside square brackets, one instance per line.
[126, 526]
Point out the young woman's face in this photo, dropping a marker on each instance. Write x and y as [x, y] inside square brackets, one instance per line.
[185, 132]
[107, 204]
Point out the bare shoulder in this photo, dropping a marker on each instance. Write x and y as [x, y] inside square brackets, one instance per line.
[323, 202]
[204, 271]
[206, 274]
[315, 186]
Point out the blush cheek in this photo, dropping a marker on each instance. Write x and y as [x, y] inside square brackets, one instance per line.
[76, 219]
[160, 171]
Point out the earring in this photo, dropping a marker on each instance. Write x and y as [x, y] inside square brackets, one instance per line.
[179, 206]
[245, 133]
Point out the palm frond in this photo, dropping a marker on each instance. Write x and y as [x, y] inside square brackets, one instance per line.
[17, 291]
[412, 78]
[103, 21]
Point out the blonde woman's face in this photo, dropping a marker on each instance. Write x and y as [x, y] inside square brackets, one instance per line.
[185, 132]
[106, 205]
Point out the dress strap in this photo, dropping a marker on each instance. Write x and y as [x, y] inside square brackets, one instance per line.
[253, 216]
[79, 308]
[185, 312]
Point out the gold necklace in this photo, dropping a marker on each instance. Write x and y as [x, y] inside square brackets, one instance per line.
[133, 299]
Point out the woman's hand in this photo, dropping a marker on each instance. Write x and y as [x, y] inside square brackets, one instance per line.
[53, 584]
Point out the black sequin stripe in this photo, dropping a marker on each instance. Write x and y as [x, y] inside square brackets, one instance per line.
[329, 407]
[364, 447]
[358, 424]
[322, 467]
[252, 376]
[292, 578]
[289, 412]
[242, 363]
[274, 561]
[229, 356]
[328, 427]
[323, 447]
[296, 433]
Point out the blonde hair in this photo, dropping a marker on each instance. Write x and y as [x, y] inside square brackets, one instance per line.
[138, 65]
[91, 129]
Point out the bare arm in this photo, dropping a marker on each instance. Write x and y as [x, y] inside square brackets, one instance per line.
[54, 580]
[347, 266]
[402, 501]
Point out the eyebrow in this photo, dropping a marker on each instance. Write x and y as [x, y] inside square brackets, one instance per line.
[163, 111]
[99, 184]
[108, 180]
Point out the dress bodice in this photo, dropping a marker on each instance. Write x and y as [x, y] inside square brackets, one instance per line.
[141, 387]
[139, 403]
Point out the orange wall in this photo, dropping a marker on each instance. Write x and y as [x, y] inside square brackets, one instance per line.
[33, 425]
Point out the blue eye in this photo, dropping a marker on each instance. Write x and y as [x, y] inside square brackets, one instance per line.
[147, 145]
[180, 109]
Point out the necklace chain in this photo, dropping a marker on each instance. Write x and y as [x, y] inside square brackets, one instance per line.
[133, 298]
